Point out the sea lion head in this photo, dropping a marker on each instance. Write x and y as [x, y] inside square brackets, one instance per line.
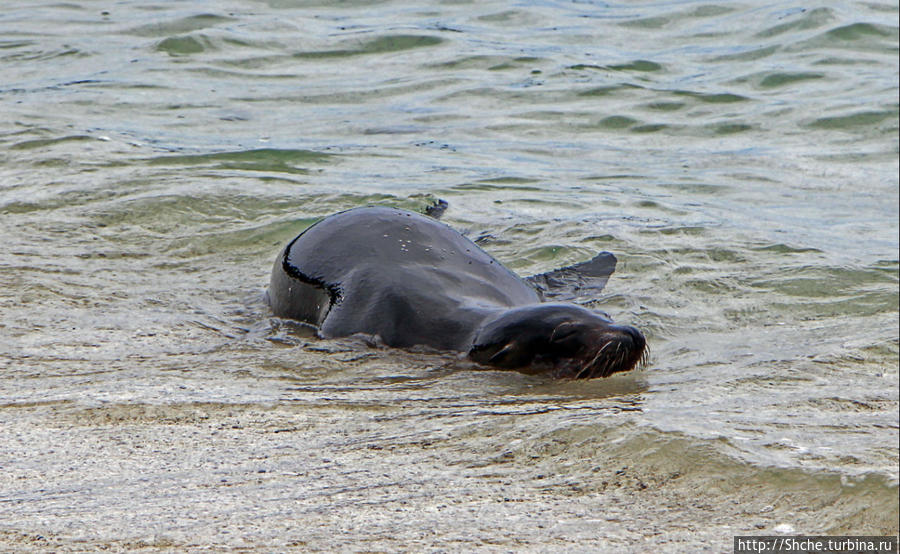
[564, 339]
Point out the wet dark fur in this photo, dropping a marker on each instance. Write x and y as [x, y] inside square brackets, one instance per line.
[411, 280]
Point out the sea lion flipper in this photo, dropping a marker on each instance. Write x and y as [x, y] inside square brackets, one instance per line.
[575, 281]
[293, 294]
[436, 209]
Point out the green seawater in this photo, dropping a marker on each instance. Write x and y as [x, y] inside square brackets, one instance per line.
[739, 158]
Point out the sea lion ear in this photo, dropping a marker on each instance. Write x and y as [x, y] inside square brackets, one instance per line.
[483, 354]
[583, 280]
[498, 356]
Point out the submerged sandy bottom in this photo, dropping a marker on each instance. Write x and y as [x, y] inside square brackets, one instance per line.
[442, 459]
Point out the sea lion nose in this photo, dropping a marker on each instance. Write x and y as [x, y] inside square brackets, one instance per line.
[637, 338]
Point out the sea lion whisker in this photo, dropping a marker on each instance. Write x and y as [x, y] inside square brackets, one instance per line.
[606, 366]
[586, 368]
[590, 366]
[644, 361]
[615, 361]
[597, 355]
[582, 371]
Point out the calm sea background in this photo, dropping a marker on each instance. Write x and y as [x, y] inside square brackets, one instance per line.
[739, 158]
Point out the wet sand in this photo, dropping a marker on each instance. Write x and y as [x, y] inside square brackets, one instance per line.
[308, 466]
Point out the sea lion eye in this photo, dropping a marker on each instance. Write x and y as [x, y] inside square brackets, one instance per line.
[564, 331]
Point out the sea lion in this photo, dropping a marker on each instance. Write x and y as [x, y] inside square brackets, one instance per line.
[409, 280]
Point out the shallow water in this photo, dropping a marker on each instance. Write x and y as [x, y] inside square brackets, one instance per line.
[740, 159]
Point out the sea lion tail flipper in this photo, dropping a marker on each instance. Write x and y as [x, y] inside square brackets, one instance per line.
[437, 208]
[575, 281]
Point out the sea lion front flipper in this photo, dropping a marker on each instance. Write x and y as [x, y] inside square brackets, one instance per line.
[436, 209]
[585, 279]
[295, 295]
